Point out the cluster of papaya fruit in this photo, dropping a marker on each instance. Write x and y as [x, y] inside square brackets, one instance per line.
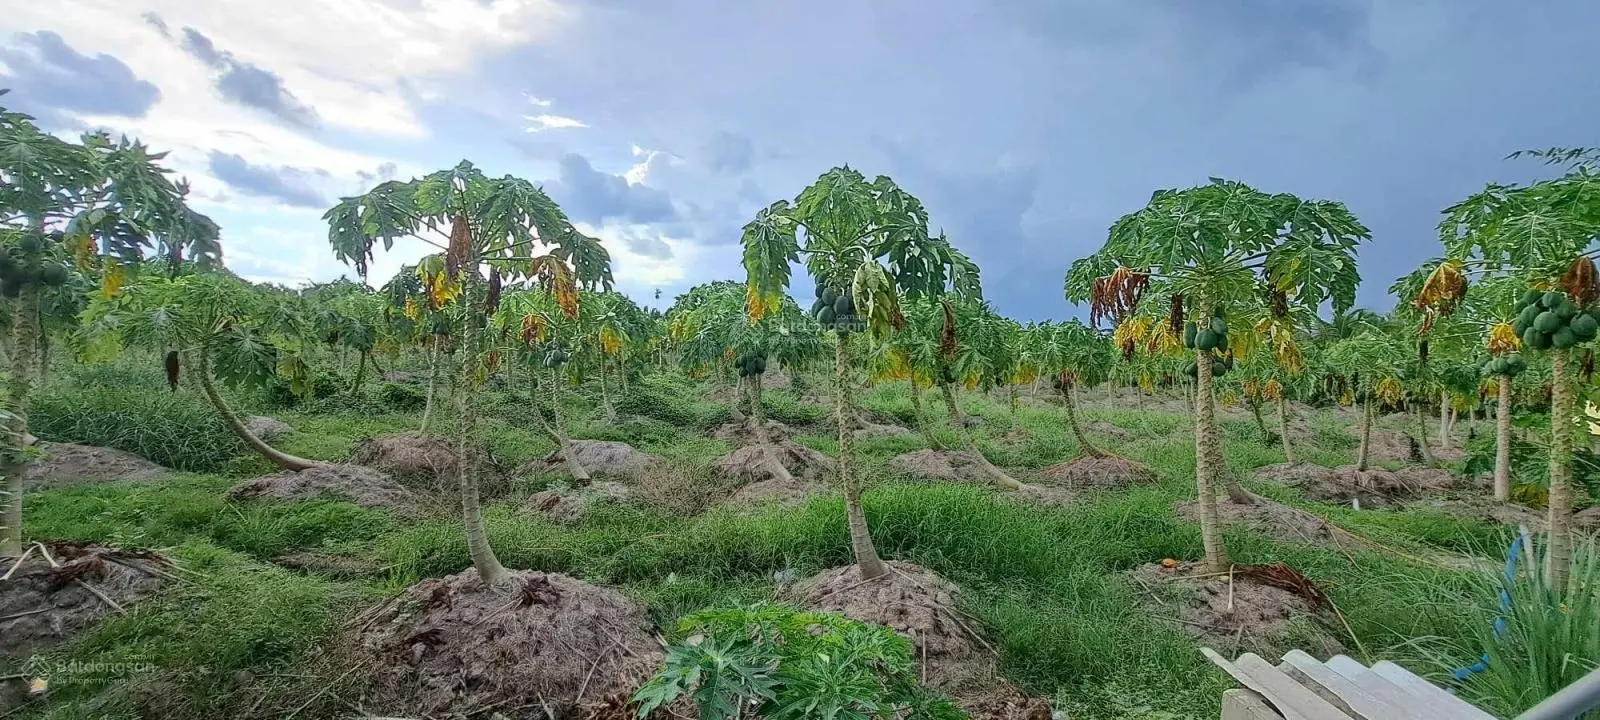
[1214, 336]
[1552, 320]
[556, 358]
[836, 310]
[20, 265]
[751, 363]
[1510, 364]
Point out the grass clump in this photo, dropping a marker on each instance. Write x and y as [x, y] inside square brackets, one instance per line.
[175, 429]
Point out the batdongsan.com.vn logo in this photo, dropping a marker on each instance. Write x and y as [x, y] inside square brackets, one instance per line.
[43, 672]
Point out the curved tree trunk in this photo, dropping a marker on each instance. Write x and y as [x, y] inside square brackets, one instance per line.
[1206, 452]
[1364, 456]
[1000, 478]
[1422, 433]
[921, 419]
[1069, 396]
[1563, 406]
[1261, 425]
[208, 386]
[1502, 441]
[867, 560]
[490, 571]
[24, 334]
[734, 411]
[361, 373]
[433, 383]
[557, 427]
[1283, 429]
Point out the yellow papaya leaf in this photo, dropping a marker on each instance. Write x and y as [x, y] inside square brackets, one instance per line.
[610, 341]
[111, 283]
[413, 310]
[1503, 339]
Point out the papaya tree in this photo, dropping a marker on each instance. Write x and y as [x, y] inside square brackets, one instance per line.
[535, 331]
[1542, 234]
[417, 310]
[1216, 245]
[866, 244]
[715, 330]
[612, 329]
[220, 328]
[1073, 355]
[1367, 369]
[491, 231]
[97, 207]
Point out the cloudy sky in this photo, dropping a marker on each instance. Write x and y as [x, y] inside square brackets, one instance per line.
[1026, 126]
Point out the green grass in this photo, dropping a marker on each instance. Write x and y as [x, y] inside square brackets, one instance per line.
[1047, 584]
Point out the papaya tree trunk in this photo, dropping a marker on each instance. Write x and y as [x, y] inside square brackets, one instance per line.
[1444, 421]
[1422, 433]
[208, 386]
[605, 396]
[1364, 455]
[1069, 398]
[735, 412]
[490, 571]
[867, 560]
[44, 353]
[1502, 441]
[1261, 425]
[1563, 407]
[433, 383]
[1283, 429]
[361, 374]
[557, 427]
[1000, 478]
[24, 336]
[756, 410]
[1207, 450]
[1012, 389]
[920, 419]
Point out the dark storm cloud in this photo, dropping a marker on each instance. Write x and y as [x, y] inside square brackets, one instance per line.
[592, 196]
[242, 82]
[1028, 127]
[288, 185]
[51, 80]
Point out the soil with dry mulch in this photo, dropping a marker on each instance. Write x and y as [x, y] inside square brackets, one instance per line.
[546, 645]
[943, 465]
[568, 505]
[357, 484]
[333, 566]
[412, 458]
[51, 596]
[1275, 520]
[1087, 471]
[918, 604]
[267, 429]
[70, 464]
[1375, 487]
[792, 492]
[601, 458]
[771, 467]
[1264, 609]
[1485, 509]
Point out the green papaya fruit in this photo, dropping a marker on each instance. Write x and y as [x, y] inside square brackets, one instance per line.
[31, 244]
[1563, 339]
[1517, 363]
[1529, 337]
[1542, 341]
[10, 288]
[1193, 369]
[1205, 340]
[1487, 368]
[820, 290]
[1219, 326]
[830, 295]
[54, 275]
[1584, 326]
[1222, 342]
[1218, 367]
[1531, 297]
[1528, 314]
[1519, 326]
[827, 316]
[1551, 299]
[1566, 309]
[1189, 330]
[817, 307]
[1547, 322]
[760, 364]
[844, 305]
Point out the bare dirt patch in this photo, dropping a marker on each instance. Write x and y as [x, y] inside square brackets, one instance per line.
[1240, 612]
[69, 464]
[943, 465]
[920, 605]
[602, 458]
[549, 645]
[1375, 487]
[267, 429]
[55, 594]
[568, 505]
[351, 483]
[334, 566]
[411, 458]
[792, 492]
[1086, 471]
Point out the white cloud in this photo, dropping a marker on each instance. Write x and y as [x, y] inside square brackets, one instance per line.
[538, 123]
[540, 102]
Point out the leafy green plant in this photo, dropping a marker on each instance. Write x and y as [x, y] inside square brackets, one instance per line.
[402, 396]
[172, 429]
[775, 661]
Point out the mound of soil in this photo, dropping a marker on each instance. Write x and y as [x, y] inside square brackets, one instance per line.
[1234, 614]
[746, 433]
[69, 464]
[760, 462]
[1273, 519]
[601, 458]
[920, 605]
[410, 457]
[1587, 519]
[942, 465]
[267, 429]
[549, 645]
[352, 483]
[1375, 487]
[790, 492]
[568, 505]
[51, 596]
[1396, 446]
[1098, 472]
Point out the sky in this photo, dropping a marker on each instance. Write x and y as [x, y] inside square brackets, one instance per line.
[1026, 126]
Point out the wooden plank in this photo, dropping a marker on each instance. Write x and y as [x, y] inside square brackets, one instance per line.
[1381, 688]
[1241, 704]
[1352, 698]
[1446, 703]
[1291, 700]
